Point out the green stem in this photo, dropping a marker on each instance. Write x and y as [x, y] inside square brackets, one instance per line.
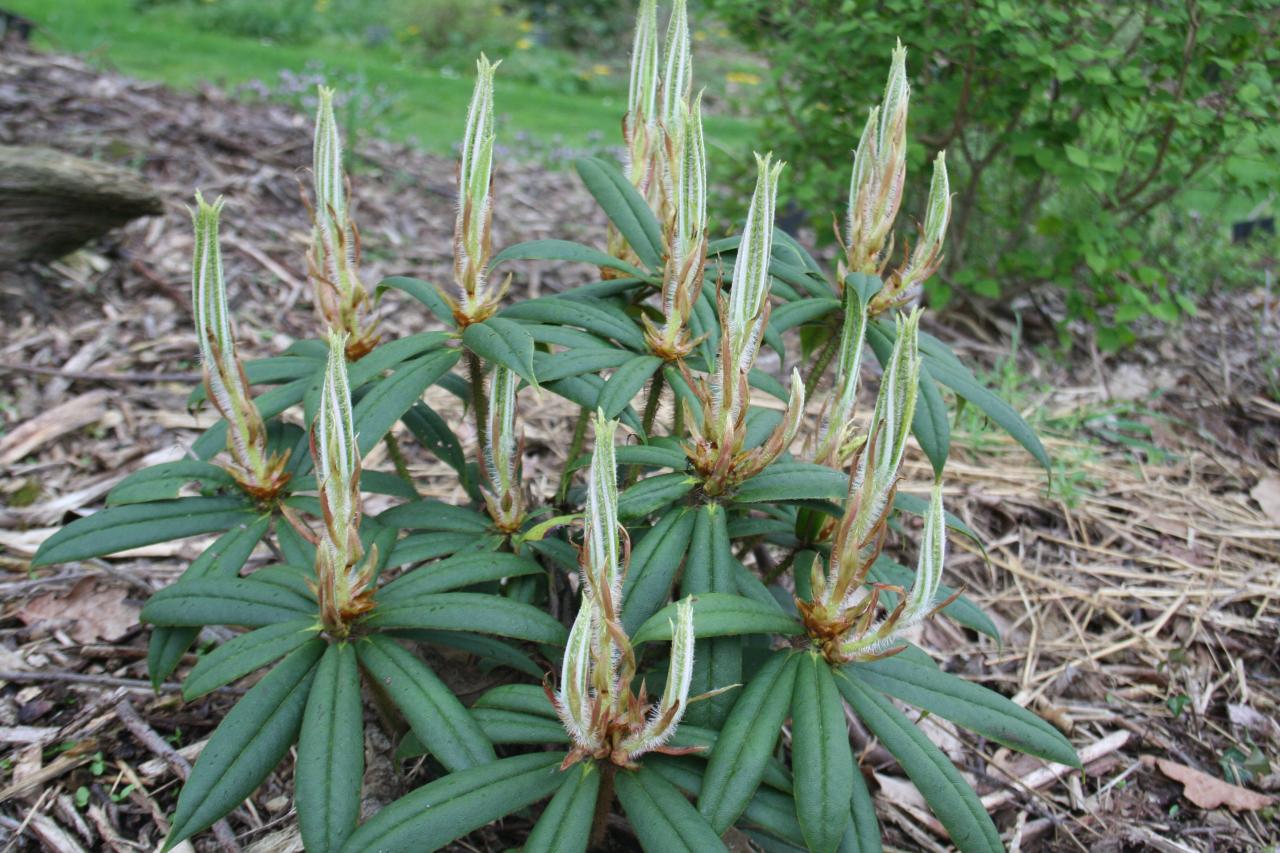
[820, 365]
[479, 402]
[781, 567]
[575, 448]
[398, 459]
[604, 804]
[651, 404]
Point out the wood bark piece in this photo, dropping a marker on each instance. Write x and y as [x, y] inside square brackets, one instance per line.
[53, 203]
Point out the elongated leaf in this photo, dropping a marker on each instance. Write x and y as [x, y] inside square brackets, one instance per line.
[662, 818]
[428, 546]
[388, 355]
[448, 808]
[966, 704]
[887, 571]
[745, 745]
[433, 433]
[717, 662]
[654, 493]
[564, 250]
[654, 564]
[242, 655]
[565, 825]
[626, 209]
[455, 572]
[590, 315]
[470, 611]
[522, 698]
[916, 505]
[862, 835]
[769, 808]
[943, 788]
[330, 766]
[945, 368]
[514, 727]
[720, 615]
[134, 525]
[501, 341]
[821, 756]
[390, 398]
[584, 390]
[491, 651]
[655, 456]
[247, 745]
[789, 481]
[224, 558]
[605, 289]
[431, 514]
[625, 383]
[425, 293]
[164, 481]
[225, 601]
[575, 362]
[805, 311]
[436, 716]
[268, 371]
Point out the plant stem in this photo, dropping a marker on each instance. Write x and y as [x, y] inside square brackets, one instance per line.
[604, 804]
[398, 459]
[777, 570]
[575, 448]
[820, 365]
[651, 404]
[479, 401]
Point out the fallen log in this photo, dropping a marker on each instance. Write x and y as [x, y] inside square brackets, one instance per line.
[52, 203]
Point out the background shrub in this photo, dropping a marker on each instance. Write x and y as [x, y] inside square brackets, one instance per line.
[1072, 130]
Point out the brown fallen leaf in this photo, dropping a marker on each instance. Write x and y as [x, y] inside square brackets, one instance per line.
[52, 424]
[1210, 792]
[1267, 494]
[95, 612]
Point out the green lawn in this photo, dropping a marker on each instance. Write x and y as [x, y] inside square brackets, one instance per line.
[158, 44]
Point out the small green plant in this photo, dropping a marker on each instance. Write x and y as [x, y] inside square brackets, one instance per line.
[667, 686]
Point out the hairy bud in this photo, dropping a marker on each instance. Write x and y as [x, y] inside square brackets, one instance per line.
[501, 449]
[471, 239]
[904, 285]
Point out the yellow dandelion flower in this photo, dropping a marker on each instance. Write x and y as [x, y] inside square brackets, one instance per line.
[601, 70]
[744, 78]
[526, 26]
[699, 35]
[524, 44]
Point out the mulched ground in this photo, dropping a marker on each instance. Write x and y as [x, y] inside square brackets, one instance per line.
[1137, 594]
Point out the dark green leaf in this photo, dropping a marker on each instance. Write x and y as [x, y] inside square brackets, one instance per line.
[470, 611]
[662, 818]
[654, 564]
[789, 481]
[224, 558]
[388, 355]
[966, 704]
[652, 455]
[565, 825]
[390, 398]
[930, 425]
[433, 433]
[654, 493]
[123, 527]
[592, 316]
[564, 250]
[821, 755]
[425, 293]
[436, 716]
[505, 342]
[418, 547]
[448, 808]
[242, 655]
[746, 742]
[514, 727]
[330, 766]
[720, 615]
[462, 570]
[488, 649]
[247, 745]
[575, 362]
[805, 311]
[862, 835]
[717, 662]
[943, 788]
[625, 383]
[431, 514]
[225, 601]
[626, 209]
[164, 481]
